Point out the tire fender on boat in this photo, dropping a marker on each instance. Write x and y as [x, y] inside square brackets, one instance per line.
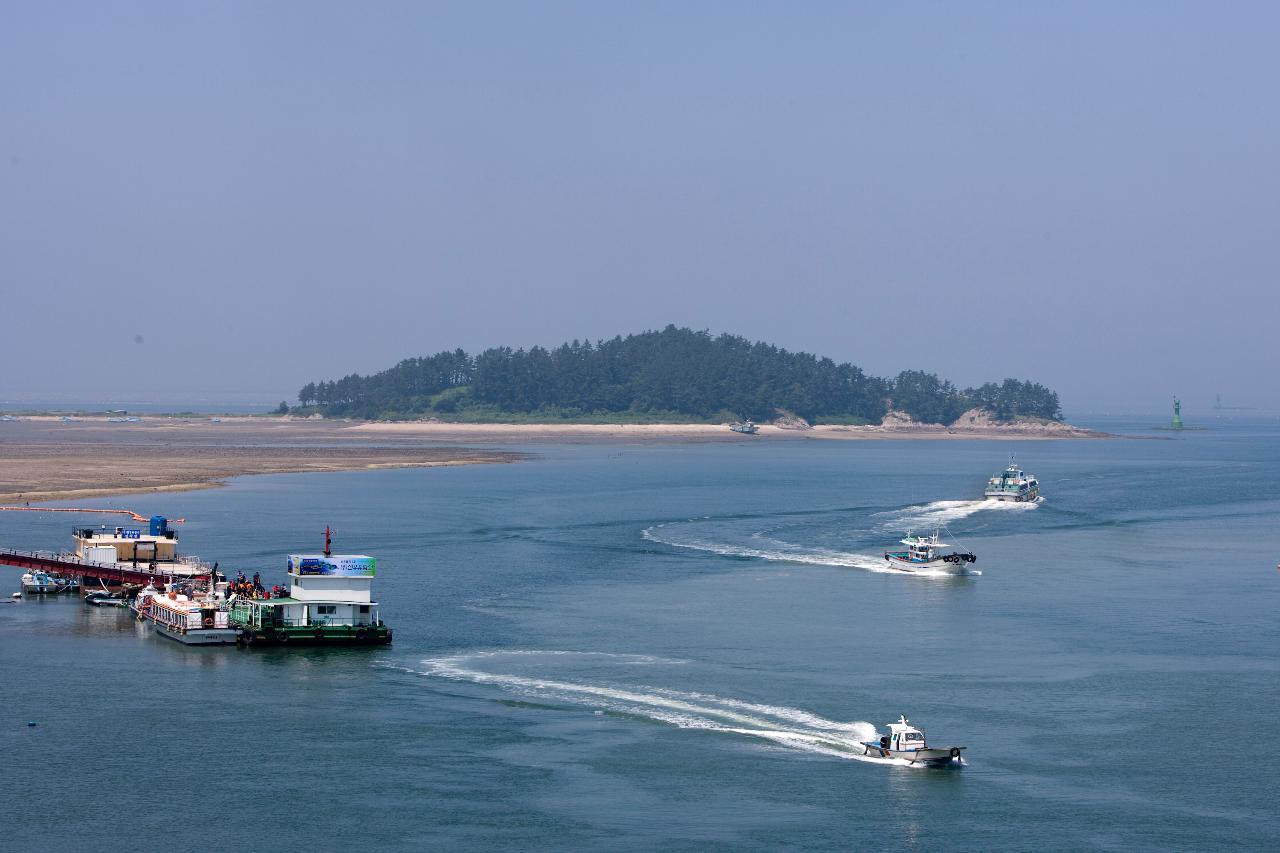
[955, 752]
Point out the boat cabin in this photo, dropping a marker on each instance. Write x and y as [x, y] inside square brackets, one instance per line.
[324, 591]
[920, 549]
[905, 737]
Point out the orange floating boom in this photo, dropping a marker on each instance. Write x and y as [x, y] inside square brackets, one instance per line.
[133, 515]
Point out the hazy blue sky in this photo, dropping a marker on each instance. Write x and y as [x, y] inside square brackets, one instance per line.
[1085, 194]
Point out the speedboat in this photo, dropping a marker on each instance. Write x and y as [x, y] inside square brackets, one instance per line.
[103, 598]
[924, 554]
[1013, 484]
[907, 742]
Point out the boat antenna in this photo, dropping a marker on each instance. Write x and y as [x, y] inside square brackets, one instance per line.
[327, 540]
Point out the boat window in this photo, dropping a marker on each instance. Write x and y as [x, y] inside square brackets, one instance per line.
[914, 736]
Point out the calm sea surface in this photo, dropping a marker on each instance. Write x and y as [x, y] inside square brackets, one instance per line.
[674, 646]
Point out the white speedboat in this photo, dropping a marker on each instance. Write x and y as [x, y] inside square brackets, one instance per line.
[924, 554]
[1013, 484]
[908, 743]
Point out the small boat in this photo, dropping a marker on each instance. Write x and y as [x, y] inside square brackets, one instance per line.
[41, 582]
[744, 427]
[1013, 484]
[103, 598]
[906, 742]
[923, 554]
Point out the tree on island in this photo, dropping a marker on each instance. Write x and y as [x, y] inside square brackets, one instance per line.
[675, 373]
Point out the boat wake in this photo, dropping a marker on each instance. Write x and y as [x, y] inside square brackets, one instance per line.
[789, 728]
[766, 548]
[939, 513]
[726, 537]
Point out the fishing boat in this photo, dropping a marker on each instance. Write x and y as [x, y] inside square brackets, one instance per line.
[40, 582]
[744, 427]
[194, 620]
[906, 742]
[1013, 484]
[924, 554]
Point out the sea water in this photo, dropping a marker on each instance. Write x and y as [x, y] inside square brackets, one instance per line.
[629, 647]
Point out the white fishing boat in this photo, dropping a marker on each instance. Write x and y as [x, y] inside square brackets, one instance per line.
[924, 554]
[908, 743]
[1013, 484]
[744, 427]
[194, 620]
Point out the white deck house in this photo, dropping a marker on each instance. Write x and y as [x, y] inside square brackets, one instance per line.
[333, 590]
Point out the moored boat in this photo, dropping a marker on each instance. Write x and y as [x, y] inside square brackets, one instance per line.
[40, 582]
[1013, 484]
[924, 554]
[744, 427]
[104, 598]
[908, 743]
[329, 602]
[193, 620]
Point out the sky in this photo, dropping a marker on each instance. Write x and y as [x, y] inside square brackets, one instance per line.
[228, 200]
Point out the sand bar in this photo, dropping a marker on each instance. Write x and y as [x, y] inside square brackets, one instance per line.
[45, 458]
[537, 433]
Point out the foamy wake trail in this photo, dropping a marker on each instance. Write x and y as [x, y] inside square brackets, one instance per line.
[787, 727]
[939, 513]
[768, 549]
[786, 552]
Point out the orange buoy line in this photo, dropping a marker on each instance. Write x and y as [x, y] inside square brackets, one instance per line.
[132, 515]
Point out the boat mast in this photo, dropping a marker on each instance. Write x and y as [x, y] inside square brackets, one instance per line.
[327, 540]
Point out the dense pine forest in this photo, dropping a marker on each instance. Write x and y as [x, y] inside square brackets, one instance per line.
[669, 376]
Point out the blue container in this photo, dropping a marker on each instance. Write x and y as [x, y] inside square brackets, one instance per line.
[159, 525]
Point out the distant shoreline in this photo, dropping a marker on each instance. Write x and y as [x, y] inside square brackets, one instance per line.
[716, 432]
[44, 458]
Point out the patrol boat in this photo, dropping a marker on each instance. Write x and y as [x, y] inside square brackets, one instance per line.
[923, 554]
[906, 742]
[1013, 484]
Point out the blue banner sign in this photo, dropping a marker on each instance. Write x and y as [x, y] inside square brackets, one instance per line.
[336, 566]
[130, 534]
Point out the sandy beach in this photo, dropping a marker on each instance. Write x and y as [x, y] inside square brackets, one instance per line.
[45, 458]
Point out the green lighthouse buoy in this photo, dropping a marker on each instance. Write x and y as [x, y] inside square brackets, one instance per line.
[1177, 413]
